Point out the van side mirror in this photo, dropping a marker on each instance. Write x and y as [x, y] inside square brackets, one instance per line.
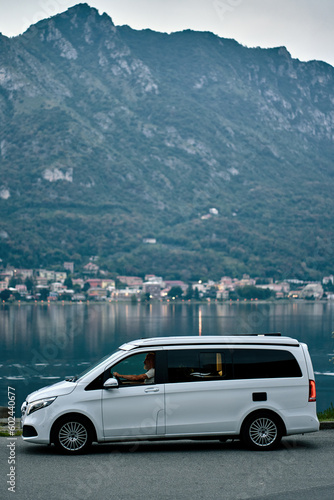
[110, 383]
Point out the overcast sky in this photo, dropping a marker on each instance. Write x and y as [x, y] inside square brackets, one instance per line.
[305, 27]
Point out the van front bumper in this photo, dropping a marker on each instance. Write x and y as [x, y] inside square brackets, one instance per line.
[36, 429]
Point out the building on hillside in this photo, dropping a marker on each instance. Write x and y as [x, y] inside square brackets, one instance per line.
[91, 268]
[204, 288]
[245, 281]
[69, 266]
[3, 285]
[127, 293]
[223, 294]
[78, 297]
[108, 284]
[25, 273]
[9, 271]
[169, 284]
[48, 275]
[224, 287]
[94, 282]
[153, 288]
[41, 281]
[78, 282]
[280, 289]
[97, 293]
[21, 289]
[226, 283]
[58, 287]
[154, 278]
[312, 290]
[130, 280]
[60, 276]
[149, 241]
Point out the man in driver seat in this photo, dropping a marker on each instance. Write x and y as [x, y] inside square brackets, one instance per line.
[146, 378]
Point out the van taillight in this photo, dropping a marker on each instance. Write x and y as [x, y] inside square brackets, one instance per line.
[312, 392]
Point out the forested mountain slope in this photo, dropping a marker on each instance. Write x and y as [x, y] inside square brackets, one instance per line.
[110, 136]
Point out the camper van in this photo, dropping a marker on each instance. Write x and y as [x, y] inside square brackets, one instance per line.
[257, 388]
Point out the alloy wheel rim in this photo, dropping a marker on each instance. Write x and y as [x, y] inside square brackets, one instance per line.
[73, 436]
[263, 432]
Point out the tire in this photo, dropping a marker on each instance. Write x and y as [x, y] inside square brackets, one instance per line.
[73, 435]
[262, 431]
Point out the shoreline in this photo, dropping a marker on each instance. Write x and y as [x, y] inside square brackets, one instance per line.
[166, 302]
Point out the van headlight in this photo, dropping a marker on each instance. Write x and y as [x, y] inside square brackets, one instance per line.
[38, 405]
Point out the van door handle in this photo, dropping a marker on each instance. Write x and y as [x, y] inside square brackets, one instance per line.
[152, 389]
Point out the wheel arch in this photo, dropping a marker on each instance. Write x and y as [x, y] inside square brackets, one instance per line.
[70, 415]
[264, 411]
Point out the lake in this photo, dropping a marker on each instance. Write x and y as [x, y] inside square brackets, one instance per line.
[41, 344]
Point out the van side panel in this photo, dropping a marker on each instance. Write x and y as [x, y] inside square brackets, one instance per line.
[220, 406]
[200, 408]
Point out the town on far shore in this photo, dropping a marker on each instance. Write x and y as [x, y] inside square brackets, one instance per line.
[95, 284]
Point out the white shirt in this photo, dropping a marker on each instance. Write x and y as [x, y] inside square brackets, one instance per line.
[150, 376]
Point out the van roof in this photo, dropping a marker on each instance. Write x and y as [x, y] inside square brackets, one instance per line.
[257, 339]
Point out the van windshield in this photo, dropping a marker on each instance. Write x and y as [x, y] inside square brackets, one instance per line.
[92, 367]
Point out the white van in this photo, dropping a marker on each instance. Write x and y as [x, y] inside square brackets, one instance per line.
[256, 388]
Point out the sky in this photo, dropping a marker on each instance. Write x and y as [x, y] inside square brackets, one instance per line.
[304, 27]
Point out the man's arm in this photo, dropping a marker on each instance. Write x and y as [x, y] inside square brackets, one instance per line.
[133, 378]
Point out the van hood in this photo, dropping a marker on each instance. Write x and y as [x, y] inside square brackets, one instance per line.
[58, 389]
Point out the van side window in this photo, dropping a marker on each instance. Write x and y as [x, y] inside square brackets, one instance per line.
[264, 363]
[181, 364]
[131, 370]
[195, 366]
[211, 365]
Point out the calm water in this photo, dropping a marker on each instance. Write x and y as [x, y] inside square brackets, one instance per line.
[41, 345]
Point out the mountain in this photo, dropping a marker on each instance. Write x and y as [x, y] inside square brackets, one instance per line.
[111, 137]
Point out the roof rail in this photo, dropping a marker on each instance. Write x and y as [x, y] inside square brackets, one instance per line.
[278, 334]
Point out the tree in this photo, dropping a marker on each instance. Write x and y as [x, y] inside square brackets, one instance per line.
[68, 283]
[44, 293]
[29, 284]
[189, 293]
[145, 297]
[211, 293]
[12, 283]
[119, 285]
[175, 292]
[4, 295]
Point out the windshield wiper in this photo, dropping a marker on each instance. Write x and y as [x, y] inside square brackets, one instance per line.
[71, 378]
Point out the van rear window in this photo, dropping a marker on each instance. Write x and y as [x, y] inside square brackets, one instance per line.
[264, 363]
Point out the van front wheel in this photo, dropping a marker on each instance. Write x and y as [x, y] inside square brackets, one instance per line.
[73, 435]
[262, 431]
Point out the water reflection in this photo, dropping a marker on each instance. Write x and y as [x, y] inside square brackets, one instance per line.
[40, 343]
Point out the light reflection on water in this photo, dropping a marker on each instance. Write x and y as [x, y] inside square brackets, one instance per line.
[41, 344]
